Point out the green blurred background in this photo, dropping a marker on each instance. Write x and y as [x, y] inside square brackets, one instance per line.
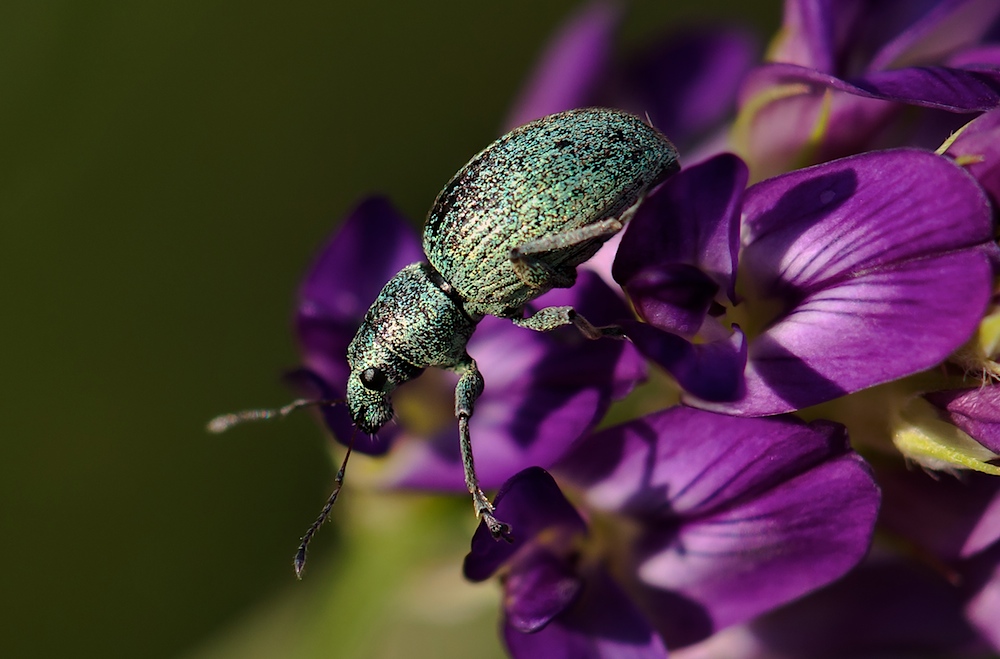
[168, 171]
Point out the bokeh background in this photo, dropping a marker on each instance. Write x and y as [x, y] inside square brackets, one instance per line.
[169, 169]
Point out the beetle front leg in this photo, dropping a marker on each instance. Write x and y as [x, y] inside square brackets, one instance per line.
[470, 386]
[549, 318]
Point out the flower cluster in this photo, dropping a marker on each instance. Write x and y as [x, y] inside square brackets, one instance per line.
[845, 301]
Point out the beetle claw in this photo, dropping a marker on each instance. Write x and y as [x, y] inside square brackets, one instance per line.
[499, 530]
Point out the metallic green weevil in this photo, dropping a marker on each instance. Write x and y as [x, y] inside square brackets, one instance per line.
[512, 224]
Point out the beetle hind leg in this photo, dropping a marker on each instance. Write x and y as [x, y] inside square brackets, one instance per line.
[549, 318]
[535, 272]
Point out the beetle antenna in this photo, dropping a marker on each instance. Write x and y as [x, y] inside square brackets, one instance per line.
[300, 555]
[224, 422]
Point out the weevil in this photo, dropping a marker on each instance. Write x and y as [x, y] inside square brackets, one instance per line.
[512, 224]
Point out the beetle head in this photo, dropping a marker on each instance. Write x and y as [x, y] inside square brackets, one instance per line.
[412, 324]
[375, 373]
[368, 399]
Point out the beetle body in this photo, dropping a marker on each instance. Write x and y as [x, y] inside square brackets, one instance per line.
[512, 224]
[545, 179]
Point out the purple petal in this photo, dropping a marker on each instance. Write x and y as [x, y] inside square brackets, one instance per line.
[787, 123]
[687, 83]
[795, 122]
[986, 533]
[948, 26]
[976, 57]
[334, 296]
[863, 253]
[533, 505]
[983, 608]
[976, 411]
[543, 391]
[784, 543]
[736, 515]
[571, 67]
[945, 517]
[811, 31]
[674, 297]
[881, 609]
[957, 90]
[692, 219]
[684, 462]
[345, 279]
[708, 371]
[541, 587]
[978, 148]
[603, 624]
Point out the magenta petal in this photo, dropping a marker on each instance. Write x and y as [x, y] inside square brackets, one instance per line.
[571, 67]
[708, 371]
[543, 391]
[863, 253]
[691, 219]
[602, 624]
[976, 411]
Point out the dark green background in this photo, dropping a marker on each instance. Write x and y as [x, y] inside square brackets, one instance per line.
[168, 170]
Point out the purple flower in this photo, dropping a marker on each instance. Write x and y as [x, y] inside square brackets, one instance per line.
[687, 528]
[842, 71]
[840, 266]
[543, 390]
[694, 522]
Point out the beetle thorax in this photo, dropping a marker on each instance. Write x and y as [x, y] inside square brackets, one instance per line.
[412, 324]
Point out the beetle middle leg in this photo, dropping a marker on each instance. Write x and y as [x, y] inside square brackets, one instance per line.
[535, 272]
[468, 389]
[549, 318]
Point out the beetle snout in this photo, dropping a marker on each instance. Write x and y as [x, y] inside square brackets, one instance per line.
[370, 410]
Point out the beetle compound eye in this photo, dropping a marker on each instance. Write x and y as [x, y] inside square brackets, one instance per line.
[373, 378]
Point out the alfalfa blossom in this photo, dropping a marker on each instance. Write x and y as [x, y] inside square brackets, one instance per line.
[811, 287]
